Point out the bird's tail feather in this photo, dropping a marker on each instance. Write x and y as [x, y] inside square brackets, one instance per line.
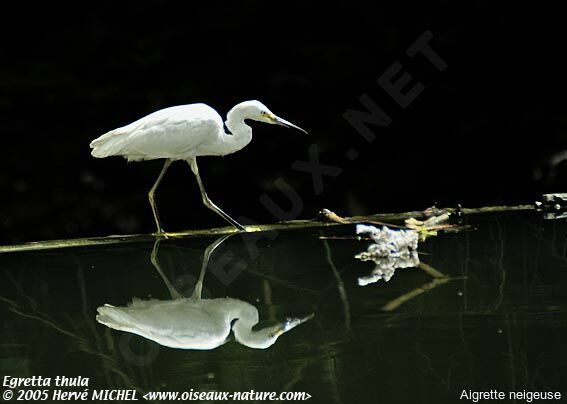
[109, 144]
[115, 317]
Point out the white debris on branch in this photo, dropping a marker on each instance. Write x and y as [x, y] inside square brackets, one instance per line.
[391, 249]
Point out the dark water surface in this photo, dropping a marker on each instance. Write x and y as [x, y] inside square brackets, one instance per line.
[487, 311]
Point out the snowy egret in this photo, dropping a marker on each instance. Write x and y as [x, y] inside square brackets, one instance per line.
[185, 132]
[194, 323]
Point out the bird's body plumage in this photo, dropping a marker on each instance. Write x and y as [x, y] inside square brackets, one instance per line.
[182, 323]
[179, 133]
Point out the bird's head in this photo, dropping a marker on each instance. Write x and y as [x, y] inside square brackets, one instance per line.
[266, 337]
[257, 111]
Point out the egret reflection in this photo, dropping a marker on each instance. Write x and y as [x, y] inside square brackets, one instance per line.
[194, 322]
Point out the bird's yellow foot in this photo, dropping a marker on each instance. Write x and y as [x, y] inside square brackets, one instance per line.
[161, 234]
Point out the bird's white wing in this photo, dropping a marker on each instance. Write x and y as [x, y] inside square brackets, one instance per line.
[182, 323]
[174, 132]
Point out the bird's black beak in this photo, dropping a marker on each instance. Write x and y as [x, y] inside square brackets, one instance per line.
[282, 122]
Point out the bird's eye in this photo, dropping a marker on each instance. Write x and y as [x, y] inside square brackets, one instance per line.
[263, 113]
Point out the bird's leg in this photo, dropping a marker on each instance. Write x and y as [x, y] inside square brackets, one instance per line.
[154, 260]
[208, 203]
[206, 256]
[152, 193]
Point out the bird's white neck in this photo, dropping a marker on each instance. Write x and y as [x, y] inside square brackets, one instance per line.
[240, 133]
[247, 317]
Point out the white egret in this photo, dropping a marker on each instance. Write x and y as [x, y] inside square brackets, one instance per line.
[185, 132]
[193, 323]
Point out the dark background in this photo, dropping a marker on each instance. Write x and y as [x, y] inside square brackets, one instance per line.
[482, 132]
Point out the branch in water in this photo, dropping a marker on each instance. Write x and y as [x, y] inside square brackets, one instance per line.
[323, 220]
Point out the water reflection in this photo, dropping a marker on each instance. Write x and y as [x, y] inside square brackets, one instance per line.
[194, 322]
[390, 250]
[484, 308]
[393, 249]
[385, 267]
